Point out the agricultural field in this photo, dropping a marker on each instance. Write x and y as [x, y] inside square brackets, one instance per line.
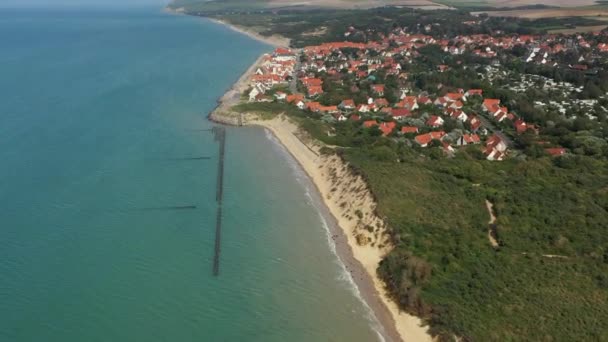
[244, 5]
[597, 12]
[234, 5]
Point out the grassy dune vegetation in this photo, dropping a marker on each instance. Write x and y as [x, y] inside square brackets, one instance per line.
[548, 280]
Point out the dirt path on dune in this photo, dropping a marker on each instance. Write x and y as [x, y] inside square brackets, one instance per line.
[492, 224]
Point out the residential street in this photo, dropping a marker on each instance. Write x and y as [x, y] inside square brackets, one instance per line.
[490, 126]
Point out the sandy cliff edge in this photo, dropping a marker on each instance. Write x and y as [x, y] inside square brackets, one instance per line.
[348, 199]
[344, 193]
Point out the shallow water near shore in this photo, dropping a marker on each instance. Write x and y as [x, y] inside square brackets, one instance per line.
[101, 137]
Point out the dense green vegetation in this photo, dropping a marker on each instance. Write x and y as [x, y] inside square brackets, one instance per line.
[267, 110]
[444, 268]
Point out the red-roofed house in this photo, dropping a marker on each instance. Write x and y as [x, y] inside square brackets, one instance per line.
[456, 104]
[378, 89]
[499, 113]
[424, 139]
[370, 123]
[474, 92]
[314, 90]
[381, 102]
[424, 100]
[339, 117]
[329, 109]
[447, 148]
[475, 123]
[363, 108]
[451, 97]
[409, 129]
[521, 126]
[294, 98]
[495, 148]
[434, 121]
[409, 102]
[400, 113]
[440, 102]
[279, 95]
[347, 104]
[489, 104]
[457, 114]
[556, 151]
[313, 106]
[387, 127]
[467, 139]
[311, 81]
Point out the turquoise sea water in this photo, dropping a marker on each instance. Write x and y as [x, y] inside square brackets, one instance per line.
[96, 110]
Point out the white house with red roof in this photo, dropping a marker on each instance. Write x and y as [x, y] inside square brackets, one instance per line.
[424, 139]
[495, 149]
[340, 117]
[363, 108]
[347, 104]
[489, 104]
[457, 114]
[468, 139]
[378, 89]
[314, 91]
[400, 113]
[435, 121]
[474, 122]
[387, 127]
[474, 92]
[556, 151]
[284, 54]
[370, 123]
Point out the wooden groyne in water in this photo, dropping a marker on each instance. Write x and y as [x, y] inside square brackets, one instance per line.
[220, 137]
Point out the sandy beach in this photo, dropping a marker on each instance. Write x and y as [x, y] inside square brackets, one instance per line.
[275, 40]
[335, 183]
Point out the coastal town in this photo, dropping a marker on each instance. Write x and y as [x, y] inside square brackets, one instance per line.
[381, 88]
[463, 158]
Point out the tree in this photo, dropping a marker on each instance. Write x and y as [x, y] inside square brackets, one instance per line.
[592, 90]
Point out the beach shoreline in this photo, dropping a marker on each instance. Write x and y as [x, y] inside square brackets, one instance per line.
[361, 261]
[274, 40]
